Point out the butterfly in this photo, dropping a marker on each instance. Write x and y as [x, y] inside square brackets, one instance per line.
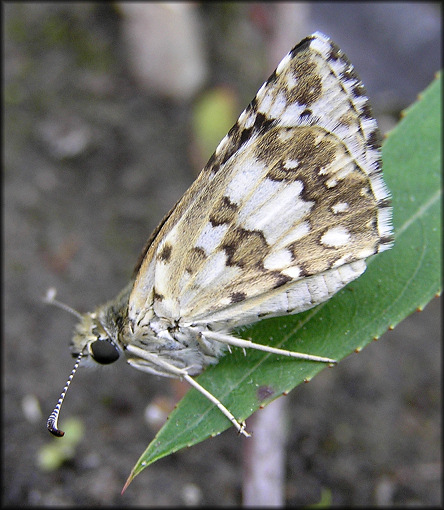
[282, 217]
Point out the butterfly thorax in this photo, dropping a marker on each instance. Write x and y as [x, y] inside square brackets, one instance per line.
[162, 339]
[173, 342]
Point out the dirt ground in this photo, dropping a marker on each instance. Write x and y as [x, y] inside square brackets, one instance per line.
[91, 164]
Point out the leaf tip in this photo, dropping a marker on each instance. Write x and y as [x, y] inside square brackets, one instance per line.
[129, 480]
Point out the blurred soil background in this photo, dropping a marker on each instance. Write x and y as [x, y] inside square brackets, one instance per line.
[98, 146]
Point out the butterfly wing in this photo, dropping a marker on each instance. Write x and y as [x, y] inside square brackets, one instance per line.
[293, 191]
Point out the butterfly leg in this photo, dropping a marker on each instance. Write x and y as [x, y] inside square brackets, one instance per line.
[170, 370]
[239, 426]
[248, 344]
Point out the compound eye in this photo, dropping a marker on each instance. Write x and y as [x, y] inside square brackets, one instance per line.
[104, 352]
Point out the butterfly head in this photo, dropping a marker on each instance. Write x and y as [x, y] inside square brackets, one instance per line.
[92, 340]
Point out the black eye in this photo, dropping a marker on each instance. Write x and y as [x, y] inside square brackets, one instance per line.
[104, 352]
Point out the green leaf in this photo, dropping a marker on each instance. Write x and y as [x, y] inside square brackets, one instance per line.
[395, 284]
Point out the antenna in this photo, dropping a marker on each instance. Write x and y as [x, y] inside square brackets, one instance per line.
[51, 300]
[51, 424]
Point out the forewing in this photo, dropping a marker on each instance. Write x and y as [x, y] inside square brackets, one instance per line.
[294, 190]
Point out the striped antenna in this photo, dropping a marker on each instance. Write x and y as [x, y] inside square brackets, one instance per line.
[51, 424]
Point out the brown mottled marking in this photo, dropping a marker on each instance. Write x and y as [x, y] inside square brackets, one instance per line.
[165, 254]
[156, 296]
[309, 82]
[366, 111]
[306, 113]
[224, 212]
[310, 147]
[195, 258]
[280, 279]
[348, 119]
[374, 139]
[245, 248]
[237, 297]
